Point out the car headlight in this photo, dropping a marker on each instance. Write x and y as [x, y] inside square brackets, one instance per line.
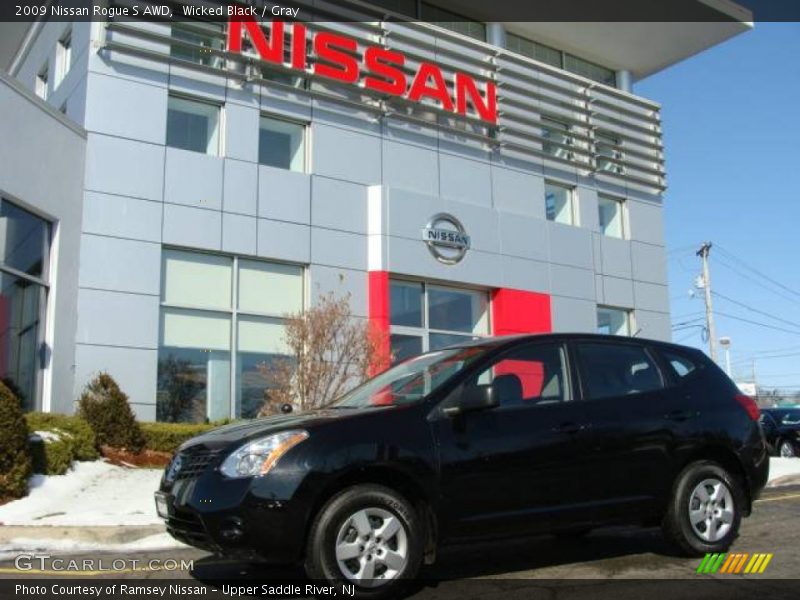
[259, 456]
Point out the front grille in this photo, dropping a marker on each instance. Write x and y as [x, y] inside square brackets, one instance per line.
[187, 527]
[195, 462]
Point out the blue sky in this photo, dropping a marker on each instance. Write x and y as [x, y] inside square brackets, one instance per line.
[731, 119]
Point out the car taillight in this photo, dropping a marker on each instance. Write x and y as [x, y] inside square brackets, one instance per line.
[749, 405]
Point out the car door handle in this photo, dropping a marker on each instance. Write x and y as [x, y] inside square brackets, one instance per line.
[680, 415]
[569, 427]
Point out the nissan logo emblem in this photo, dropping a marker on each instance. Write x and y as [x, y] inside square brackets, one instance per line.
[172, 472]
[446, 238]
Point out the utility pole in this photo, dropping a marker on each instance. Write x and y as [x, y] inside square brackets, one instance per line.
[710, 327]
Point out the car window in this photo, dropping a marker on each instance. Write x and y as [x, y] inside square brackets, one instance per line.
[610, 370]
[528, 376]
[681, 365]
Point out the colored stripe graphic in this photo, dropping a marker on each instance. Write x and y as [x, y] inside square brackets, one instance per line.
[734, 563]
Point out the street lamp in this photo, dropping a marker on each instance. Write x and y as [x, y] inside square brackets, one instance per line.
[725, 342]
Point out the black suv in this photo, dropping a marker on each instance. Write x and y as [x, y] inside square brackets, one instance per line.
[782, 430]
[499, 437]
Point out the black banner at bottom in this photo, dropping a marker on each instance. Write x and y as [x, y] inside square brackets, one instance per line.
[717, 588]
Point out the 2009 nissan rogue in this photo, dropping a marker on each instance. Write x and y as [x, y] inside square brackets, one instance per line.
[498, 437]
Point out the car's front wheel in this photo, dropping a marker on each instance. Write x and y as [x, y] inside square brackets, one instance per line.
[368, 536]
[704, 512]
[786, 449]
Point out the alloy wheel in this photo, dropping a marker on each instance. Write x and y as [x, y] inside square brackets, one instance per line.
[786, 450]
[372, 547]
[711, 510]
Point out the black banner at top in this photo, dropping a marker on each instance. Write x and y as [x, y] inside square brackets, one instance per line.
[417, 10]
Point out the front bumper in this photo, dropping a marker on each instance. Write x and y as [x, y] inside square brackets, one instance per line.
[258, 518]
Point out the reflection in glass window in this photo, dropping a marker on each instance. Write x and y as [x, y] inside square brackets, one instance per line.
[452, 21]
[590, 70]
[24, 256]
[199, 322]
[613, 321]
[405, 303]
[558, 203]
[556, 134]
[427, 317]
[608, 149]
[611, 216]
[193, 125]
[281, 144]
[533, 50]
[193, 42]
[615, 370]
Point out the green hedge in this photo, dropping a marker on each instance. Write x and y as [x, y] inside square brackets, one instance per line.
[81, 435]
[15, 460]
[65, 440]
[166, 437]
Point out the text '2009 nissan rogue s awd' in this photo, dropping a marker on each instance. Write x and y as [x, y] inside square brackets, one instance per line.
[499, 437]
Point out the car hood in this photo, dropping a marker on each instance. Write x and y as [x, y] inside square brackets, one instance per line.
[247, 430]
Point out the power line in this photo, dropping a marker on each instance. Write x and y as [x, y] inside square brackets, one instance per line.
[733, 257]
[756, 310]
[758, 323]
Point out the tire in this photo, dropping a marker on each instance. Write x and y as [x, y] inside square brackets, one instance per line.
[716, 519]
[786, 449]
[345, 540]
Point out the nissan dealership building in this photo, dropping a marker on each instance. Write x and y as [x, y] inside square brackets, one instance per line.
[171, 191]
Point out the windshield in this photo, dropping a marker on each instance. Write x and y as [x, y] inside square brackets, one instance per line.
[411, 380]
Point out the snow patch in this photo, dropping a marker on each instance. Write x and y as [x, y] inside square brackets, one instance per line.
[91, 493]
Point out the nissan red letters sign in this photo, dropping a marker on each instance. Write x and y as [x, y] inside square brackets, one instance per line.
[380, 71]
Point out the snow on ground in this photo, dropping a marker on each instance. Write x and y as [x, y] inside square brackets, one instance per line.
[17, 546]
[781, 467]
[92, 493]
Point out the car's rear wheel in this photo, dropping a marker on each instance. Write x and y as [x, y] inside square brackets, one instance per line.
[786, 449]
[704, 512]
[368, 536]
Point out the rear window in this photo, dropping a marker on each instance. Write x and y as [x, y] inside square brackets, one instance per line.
[682, 366]
[611, 370]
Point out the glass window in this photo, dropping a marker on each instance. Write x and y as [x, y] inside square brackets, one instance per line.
[590, 70]
[613, 321]
[24, 240]
[199, 323]
[413, 379]
[607, 147]
[24, 256]
[193, 125]
[452, 21]
[612, 370]
[270, 288]
[430, 317]
[281, 144]
[558, 201]
[64, 54]
[405, 303]
[533, 50]
[193, 42]
[556, 134]
[534, 374]
[612, 216]
[197, 280]
[41, 82]
[403, 7]
[452, 309]
[681, 365]
[405, 346]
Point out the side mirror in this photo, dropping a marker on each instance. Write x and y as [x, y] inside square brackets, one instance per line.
[473, 398]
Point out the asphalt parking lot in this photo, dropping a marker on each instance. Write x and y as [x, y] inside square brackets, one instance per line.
[628, 560]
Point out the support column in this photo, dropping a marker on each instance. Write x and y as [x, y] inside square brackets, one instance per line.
[496, 34]
[625, 81]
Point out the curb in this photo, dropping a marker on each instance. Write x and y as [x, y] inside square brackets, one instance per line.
[106, 534]
[785, 480]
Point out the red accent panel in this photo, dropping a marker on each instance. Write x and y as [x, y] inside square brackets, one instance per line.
[530, 374]
[518, 311]
[378, 285]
